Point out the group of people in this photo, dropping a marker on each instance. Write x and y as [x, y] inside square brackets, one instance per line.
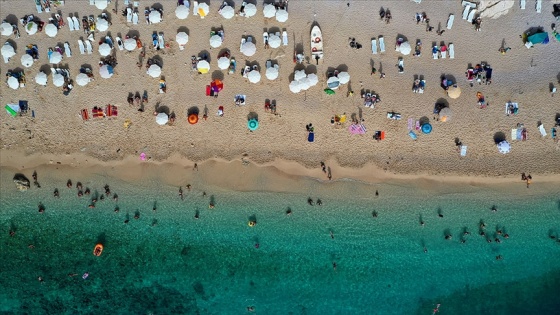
[136, 100]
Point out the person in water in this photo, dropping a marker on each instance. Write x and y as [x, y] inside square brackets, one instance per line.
[319, 202]
[310, 201]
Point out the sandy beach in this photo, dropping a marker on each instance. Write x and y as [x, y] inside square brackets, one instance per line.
[58, 133]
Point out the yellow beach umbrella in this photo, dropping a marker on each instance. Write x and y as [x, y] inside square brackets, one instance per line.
[454, 92]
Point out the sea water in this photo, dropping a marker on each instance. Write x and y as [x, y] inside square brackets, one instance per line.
[169, 262]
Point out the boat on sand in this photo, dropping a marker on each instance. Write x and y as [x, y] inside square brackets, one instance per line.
[316, 43]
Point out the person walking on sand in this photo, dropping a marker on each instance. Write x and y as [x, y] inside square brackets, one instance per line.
[529, 178]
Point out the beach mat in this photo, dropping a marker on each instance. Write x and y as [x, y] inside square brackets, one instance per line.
[311, 137]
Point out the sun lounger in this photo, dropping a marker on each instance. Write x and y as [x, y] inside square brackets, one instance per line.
[70, 23]
[466, 12]
[285, 38]
[246, 71]
[374, 46]
[538, 6]
[311, 137]
[468, 4]
[471, 15]
[451, 49]
[542, 130]
[265, 37]
[232, 66]
[120, 43]
[463, 150]
[435, 54]
[512, 108]
[412, 135]
[76, 23]
[381, 44]
[67, 50]
[522, 4]
[450, 21]
[89, 49]
[81, 46]
[243, 40]
[85, 114]
[195, 8]
[161, 41]
[135, 17]
[129, 15]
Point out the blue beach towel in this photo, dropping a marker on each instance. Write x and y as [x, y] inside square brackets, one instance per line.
[311, 137]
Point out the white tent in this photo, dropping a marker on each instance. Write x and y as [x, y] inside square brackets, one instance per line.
[405, 48]
[26, 60]
[104, 49]
[106, 71]
[299, 74]
[58, 80]
[305, 84]
[272, 73]
[130, 44]
[102, 25]
[182, 12]
[269, 11]
[13, 83]
[216, 41]
[343, 77]
[250, 10]
[203, 9]
[154, 71]
[7, 51]
[51, 30]
[182, 38]
[313, 79]
[6, 29]
[162, 119]
[82, 79]
[248, 49]
[281, 15]
[101, 4]
[223, 63]
[274, 41]
[227, 12]
[155, 17]
[295, 87]
[55, 57]
[203, 66]
[31, 28]
[254, 76]
[41, 78]
[504, 147]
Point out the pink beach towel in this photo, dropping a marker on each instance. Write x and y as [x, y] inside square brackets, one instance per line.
[417, 125]
[143, 156]
[410, 123]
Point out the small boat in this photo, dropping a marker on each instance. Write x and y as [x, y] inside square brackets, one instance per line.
[98, 250]
[316, 43]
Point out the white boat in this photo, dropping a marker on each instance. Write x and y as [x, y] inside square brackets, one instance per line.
[316, 43]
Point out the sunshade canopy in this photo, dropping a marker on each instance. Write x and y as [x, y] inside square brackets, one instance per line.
[154, 71]
[223, 63]
[106, 71]
[504, 147]
[104, 49]
[51, 30]
[216, 41]
[538, 38]
[333, 83]
[155, 16]
[31, 28]
[248, 49]
[162, 119]
[269, 11]
[6, 29]
[253, 124]
[102, 25]
[82, 79]
[295, 86]
[272, 73]
[299, 74]
[343, 77]
[26, 60]
[101, 4]
[227, 12]
[182, 38]
[313, 79]
[203, 9]
[8, 50]
[250, 10]
[254, 76]
[405, 48]
[58, 79]
[13, 83]
[454, 92]
[445, 114]
[182, 12]
[55, 57]
[41, 78]
[203, 66]
[281, 15]
[130, 44]
[274, 41]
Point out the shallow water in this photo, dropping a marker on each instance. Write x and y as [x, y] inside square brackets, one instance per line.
[183, 265]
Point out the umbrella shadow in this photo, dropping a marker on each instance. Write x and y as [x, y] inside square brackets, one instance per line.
[193, 110]
[204, 55]
[424, 120]
[218, 75]
[557, 118]
[183, 29]
[224, 52]
[157, 6]
[404, 38]
[46, 69]
[299, 48]
[217, 28]
[158, 60]
[12, 19]
[443, 102]
[133, 34]
[86, 66]
[161, 108]
[342, 68]
[101, 238]
[311, 69]
[499, 137]
[253, 115]
[12, 43]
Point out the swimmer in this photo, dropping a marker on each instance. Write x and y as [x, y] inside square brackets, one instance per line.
[448, 237]
[101, 197]
[94, 200]
[250, 308]
[323, 167]
[126, 221]
[425, 250]
[211, 205]
[34, 175]
[506, 235]
[181, 192]
[80, 193]
[334, 265]
[12, 233]
[376, 193]
[497, 240]
[41, 208]
[319, 202]
[374, 214]
[310, 201]
[289, 211]
[440, 215]
[79, 185]
[463, 240]
[31, 246]
[494, 209]
[189, 187]
[482, 225]
[55, 193]
[137, 215]
[107, 190]
[87, 191]
[436, 309]
[85, 275]
[482, 233]
[69, 184]
[72, 274]
[489, 240]
[115, 197]
[154, 222]
[332, 235]
[40, 279]
[117, 209]
[257, 245]
[154, 208]
[499, 232]
[421, 223]
[196, 215]
[499, 257]
[203, 194]
[91, 205]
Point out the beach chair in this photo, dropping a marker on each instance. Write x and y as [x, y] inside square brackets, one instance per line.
[401, 65]
[472, 5]
[129, 15]
[443, 51]
[471, 15]
[70, 23]
[265, 37]
[243, 40]
[412, 135]
[67, 50]
[374, 46]
[463, 150]
[451, 49]
[89, 49]
[249, 39]
[76, 23]
[81, 46]
[542, 130]
[538, 6]
[84, 114]
[514, 135]
[285, 38]
[135, 17]
[435, 52]
[195, 8]
[381, 44]
[161, 41]
[450, 21]
[522, 4]
[119, 43]
[553, 133]
[466, 12]
[232, 66]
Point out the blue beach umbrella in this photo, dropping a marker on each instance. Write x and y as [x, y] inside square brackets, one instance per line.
[426, 128]
[253, 124]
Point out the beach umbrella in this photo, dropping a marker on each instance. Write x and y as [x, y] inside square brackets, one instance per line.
[130, 44]
[101, 4]
[216, 41]
[82, 79]
[41, 78]
[154, 71]
[299, 74]
[343, 77]
[8, 50]
[313, 79]
[329, 91]
[31, 28]
[281, 15]
[217, 85]
[182, 12]
[305, 84]
[102, 25]
[51, 30]
[295, 86]
[445, 114]
[426, 128]
[58, 80]
[504, 147]
[405, 48]
[254, 76]
[223, 63]
[269, 10]
[454, 92]
[253, 124]
[182, 38]
[250, 10]
[248, 49]
[227, 12]
[13, 83]
[162, 119]
[26, 60]
[55, 57]
[333, 83]
[274, 41]
[106, 71]
[104, 49]
[6, 29]
[192, 118]
[272, 73]
[203, 66]
[203, 10]
[155, 16]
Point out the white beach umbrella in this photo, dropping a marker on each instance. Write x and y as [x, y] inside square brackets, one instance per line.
[51, 30]
[203, 66]
[8, 50]
[223, 63]
[269, 11]
[248, 49]
[299, 74]
[82, 79]
[281, 15]
[203, 10]
[405, 48]
[227, 12]
[41, 78]
[101, 4]
[216, 41]
[305, 84]
[154, 71]
[104, 49]
[295, 87]
[250, 10]
[343, 77]
[155, 16]
[272, 73]
[313, 79]
[130, 44]
[106, 71]
[13, 83]
[31, 28]
[254, 76]
[182, 38]
[26, 60]
[55, 57]
[333, 83]
[504, 147]
[162, 119]
[102, 25]
[58, 80]
[182, 12]
[6, 29]
[274, 41]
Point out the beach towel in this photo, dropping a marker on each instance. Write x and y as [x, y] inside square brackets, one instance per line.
[538, 6]
[135, 18]
[85, 114]
[413, 135]
[512, 108]
[466, 12]
[285, 38]
[67, 50]
[463, 150]
[418, 125]
[81, 46]
[111, 111]
[450, 21]
[443, 54]
[12, 109]
[469, 4]
[381, 44]
[311, 137]
[76, 23]
[70, 23]
[97, 113]
[451, 49]
[471, 15]
[88, 47]
[195, 8]
[129, 15]
[514, 134]
[374, 46]
[542, 130]
[522, 4]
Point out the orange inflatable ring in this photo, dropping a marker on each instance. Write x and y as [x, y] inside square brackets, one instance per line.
[314, 49]
[193, 119]
[317, 40]
[98, 250]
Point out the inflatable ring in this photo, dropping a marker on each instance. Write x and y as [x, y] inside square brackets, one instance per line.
[98, 249]
[317, 40]
[193, 119]
[314, 49]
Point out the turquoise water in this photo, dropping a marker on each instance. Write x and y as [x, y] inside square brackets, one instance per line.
[183, 265]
